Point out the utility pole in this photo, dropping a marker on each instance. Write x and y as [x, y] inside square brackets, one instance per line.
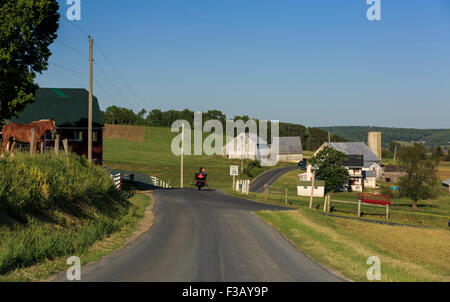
[329, 136]
[395, 152]
[182, 155]
[91, 87]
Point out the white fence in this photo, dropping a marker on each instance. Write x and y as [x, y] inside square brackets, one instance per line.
[117, 179]
[243, 186]
[139, 177]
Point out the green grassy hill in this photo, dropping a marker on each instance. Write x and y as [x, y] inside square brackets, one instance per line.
[51, 208]
[154, 157]
[432, 137]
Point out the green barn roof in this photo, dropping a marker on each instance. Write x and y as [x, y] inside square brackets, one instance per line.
[67, 106]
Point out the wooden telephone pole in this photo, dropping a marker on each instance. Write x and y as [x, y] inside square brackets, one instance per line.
[91, 87]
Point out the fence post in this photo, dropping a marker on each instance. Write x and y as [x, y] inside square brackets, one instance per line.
[286, 195]
[266, 192]
[359, 207]
[66, 146]
[329, 203]
[32, 142]
[325, 203]
[57, 144]
[387, 211]
[42, 147]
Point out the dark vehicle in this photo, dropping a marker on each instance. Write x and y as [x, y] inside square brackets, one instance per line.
[200, 179]
[302, 164]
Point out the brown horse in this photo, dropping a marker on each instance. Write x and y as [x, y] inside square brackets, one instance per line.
[22, 133]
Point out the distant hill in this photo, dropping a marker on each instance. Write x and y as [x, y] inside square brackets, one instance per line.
[431, 137]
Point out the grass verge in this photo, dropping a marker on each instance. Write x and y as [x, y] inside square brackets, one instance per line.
[91, 250]
[406, 254]
[431, 213]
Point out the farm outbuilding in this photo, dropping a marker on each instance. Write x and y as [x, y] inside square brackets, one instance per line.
[446, 185]
[69, 108]
[246, 146]
[305, 187]
[290, 149]
[392, 174]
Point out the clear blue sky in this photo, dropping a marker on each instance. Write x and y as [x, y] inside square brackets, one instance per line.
[317, 63]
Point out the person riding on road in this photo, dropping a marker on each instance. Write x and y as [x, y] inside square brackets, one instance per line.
[201, 175]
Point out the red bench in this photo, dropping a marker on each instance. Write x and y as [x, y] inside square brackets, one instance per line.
[374, 198]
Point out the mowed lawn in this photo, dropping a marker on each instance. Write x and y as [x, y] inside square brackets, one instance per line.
[444, 170]
[344, 245]
[153, 156]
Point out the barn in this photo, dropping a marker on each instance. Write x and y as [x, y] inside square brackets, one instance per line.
[290, 149]
[245, 146]
[69, 108]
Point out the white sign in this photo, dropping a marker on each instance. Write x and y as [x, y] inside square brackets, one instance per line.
[234, 170]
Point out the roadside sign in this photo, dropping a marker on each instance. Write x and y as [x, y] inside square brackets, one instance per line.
[234, 170]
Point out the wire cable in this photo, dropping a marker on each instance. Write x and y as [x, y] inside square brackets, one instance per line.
[120, 76]
[112, 84]
[68, 69]
[76, 27]
[72, 49]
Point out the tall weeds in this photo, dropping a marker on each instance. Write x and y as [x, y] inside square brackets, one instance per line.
[59, 206]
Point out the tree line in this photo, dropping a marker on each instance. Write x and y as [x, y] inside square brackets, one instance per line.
[312, 138]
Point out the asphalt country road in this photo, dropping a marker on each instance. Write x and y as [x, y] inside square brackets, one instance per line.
[269, 177]
[206, 236]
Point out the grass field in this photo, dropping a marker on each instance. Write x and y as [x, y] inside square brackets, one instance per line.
[343, 245]
[154, 157]
[444, 170]
[432, 213]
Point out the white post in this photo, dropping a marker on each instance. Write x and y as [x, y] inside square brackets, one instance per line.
[182, 155]
[313, 183]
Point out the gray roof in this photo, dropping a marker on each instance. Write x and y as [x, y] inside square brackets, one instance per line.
[447, 182]
[289, 145]
[352, 148]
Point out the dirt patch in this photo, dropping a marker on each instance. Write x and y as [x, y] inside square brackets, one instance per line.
[145, 223]
[124, 132]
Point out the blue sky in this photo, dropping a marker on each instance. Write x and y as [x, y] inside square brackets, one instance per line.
[317, 63]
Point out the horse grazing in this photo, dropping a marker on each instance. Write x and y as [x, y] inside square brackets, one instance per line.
[22, 133]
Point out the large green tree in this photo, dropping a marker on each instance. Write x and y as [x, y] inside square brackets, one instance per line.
[420, 181]
[27, 28]
[327, 163]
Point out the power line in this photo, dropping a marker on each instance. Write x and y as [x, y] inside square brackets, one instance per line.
[72, 49]
[112, 84]
[120, 76]
[106, 91]
[68, 69]
[85, 74]
[82, 31]
[76, 27]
